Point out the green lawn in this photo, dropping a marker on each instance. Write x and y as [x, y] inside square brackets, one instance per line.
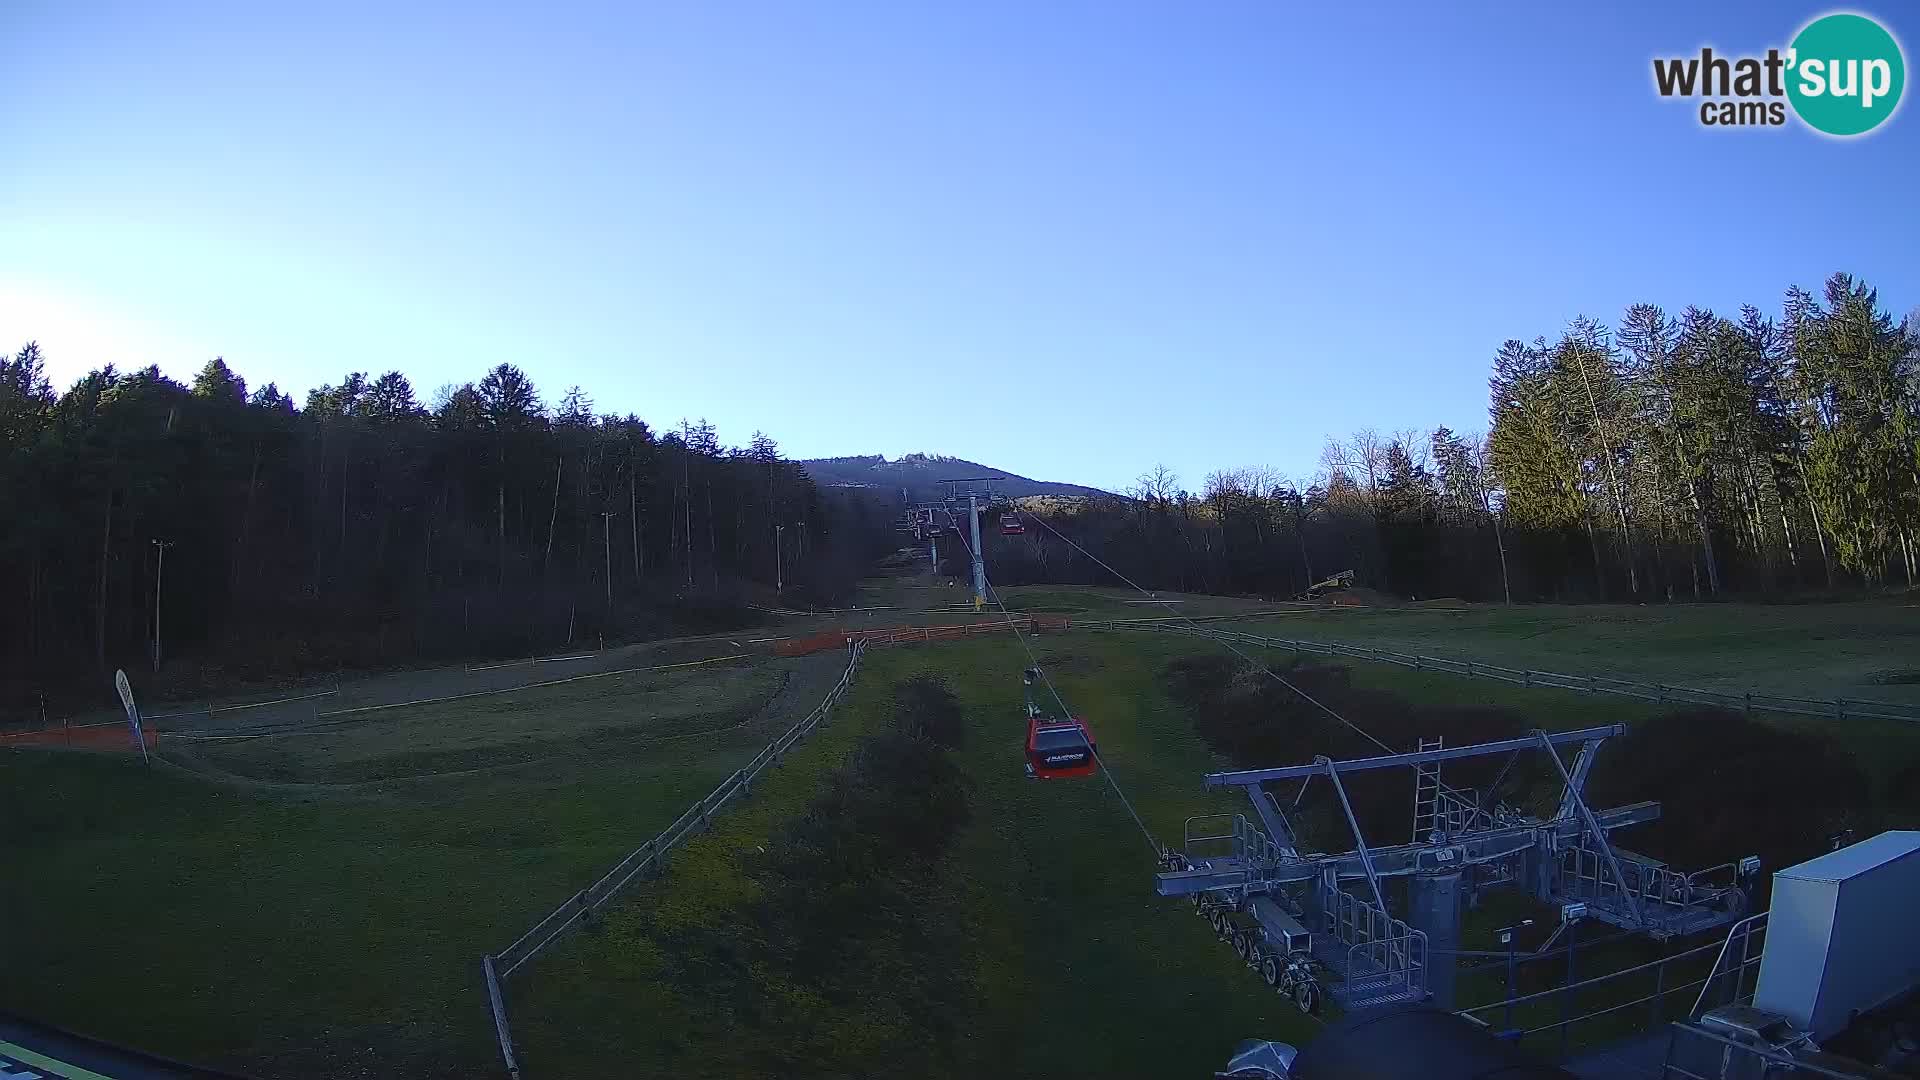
[322, 918]
[1869, 651]
[603, 716]
[1080, 969]
[295, 930]
[1108, 603]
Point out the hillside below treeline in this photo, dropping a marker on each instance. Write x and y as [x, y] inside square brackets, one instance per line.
[920, 476]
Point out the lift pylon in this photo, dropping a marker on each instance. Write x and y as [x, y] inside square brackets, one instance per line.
[975, 490]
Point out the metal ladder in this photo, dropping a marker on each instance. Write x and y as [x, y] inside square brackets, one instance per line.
[1426, 792]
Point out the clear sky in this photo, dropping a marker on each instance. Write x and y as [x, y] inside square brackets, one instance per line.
[1069, 239]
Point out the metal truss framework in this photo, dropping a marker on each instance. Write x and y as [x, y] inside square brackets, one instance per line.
[1458, 845]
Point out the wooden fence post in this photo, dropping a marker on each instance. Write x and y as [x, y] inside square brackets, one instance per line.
[499, 1010]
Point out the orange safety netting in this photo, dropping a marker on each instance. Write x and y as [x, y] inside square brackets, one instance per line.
[89, 737]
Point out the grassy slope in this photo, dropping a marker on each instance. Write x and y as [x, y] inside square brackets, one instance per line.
[1094, 974]
[321, 936]
[1080, 969]
[600, 715]
[1855, 650]
[594, 1005]
[1883, 747]
[1811, 650]
[339, 937]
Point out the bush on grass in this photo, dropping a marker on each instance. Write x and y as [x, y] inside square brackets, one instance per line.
[853, 955]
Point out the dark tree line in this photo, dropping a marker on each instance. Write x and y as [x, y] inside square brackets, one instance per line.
[1673, 458]
[368, 529]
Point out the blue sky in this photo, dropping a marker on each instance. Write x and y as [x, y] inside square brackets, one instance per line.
[1204, 234]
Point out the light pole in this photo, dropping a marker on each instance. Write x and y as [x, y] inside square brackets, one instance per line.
[1506, 938]
[779, 582]
[159, 572]
[1571, 914]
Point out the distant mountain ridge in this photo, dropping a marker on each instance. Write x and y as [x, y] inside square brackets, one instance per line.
[920, 475]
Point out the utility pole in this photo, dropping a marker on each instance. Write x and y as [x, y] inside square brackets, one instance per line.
[779, 583]
[606, 541]
[158, 573]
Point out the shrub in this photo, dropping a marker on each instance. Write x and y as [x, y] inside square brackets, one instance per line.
[1255, 721]
[1731, 786]
[851, 957]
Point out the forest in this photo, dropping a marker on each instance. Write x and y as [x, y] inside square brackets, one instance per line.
[1669, 458]
[211, 536]
[220, 536]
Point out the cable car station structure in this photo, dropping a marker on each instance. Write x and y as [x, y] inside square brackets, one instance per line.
[1273, 899]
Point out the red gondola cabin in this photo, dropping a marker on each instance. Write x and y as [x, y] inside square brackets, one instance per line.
[1011, 525]
[1060, 749]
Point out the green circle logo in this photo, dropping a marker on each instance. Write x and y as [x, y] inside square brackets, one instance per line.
[1845, 74]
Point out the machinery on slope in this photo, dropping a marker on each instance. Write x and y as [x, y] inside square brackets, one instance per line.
[1341, 580]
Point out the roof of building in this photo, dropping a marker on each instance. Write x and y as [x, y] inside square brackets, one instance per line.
[1856, 859]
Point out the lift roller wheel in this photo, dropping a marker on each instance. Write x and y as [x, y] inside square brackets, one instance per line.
[1218, 920]
[1306, 997]
[1270, 969]
[1240, 943]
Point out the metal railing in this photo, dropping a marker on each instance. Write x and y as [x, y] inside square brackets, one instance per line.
[1196, 832]
[1379, 946]
[1206, 837]
[1745, 701]
[1727, 964]
[649, 859]
[1632, 981]
[1256, 848]
[1585, 875]
[1723, 1057]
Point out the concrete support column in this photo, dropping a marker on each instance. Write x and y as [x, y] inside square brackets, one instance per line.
[1435, 904]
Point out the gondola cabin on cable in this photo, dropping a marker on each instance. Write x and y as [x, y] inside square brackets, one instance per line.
[1011, 525]
[1056, 749]
[1060, 749]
